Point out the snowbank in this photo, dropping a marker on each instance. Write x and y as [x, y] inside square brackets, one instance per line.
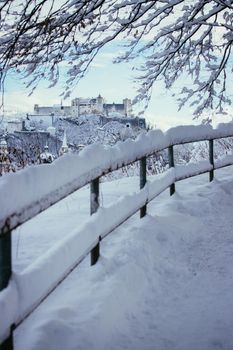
[164, 280]
[9, 306]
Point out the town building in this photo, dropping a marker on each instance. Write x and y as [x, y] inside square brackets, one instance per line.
[58, 110]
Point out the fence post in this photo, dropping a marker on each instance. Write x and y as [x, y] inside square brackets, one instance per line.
[94, 205]
[211, 159]
[171, 165]
[142, 182]
[5, 275]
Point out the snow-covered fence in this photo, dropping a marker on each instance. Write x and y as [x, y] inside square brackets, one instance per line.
[30, 191]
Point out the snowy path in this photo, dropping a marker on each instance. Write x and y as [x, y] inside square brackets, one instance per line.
[163, 282]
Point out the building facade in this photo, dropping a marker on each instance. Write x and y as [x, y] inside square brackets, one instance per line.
[84, 106]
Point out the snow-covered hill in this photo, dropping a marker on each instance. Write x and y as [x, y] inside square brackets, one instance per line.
[24, 148]
[90, 129]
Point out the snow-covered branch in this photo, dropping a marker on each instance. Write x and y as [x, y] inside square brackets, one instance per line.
[174, 37]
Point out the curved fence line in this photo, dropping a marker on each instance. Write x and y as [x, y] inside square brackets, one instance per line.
[20, 293]
[41, 186]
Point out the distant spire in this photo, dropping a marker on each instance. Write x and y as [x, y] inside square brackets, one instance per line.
[64, 142]
[64, 147]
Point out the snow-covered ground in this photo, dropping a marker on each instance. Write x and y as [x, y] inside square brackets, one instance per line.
[163, 282]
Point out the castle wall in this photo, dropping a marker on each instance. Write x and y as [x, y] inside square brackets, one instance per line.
[82, 106]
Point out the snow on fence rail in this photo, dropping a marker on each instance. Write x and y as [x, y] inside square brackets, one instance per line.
[21, 293]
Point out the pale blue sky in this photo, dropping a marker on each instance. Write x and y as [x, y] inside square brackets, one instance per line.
[113, 81]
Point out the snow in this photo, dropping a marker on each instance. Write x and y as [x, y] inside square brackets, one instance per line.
[36, 281]
[9, 303]
[191, 133]
[165, 279]
[32, 284]
[192, 169]
[224, 161]
[74, 171]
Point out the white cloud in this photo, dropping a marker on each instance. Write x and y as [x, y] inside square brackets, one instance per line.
[19, 101]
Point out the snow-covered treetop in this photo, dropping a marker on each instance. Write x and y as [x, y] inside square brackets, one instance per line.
[174, 37]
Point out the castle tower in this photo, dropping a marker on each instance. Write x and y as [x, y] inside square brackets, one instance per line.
[100, 104]
[36, 108]
[127, 107]
[75, 107]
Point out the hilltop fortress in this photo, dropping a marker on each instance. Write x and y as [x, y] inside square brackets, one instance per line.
[84, 106]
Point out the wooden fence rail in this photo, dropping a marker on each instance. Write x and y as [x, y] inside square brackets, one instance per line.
[11, 223]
